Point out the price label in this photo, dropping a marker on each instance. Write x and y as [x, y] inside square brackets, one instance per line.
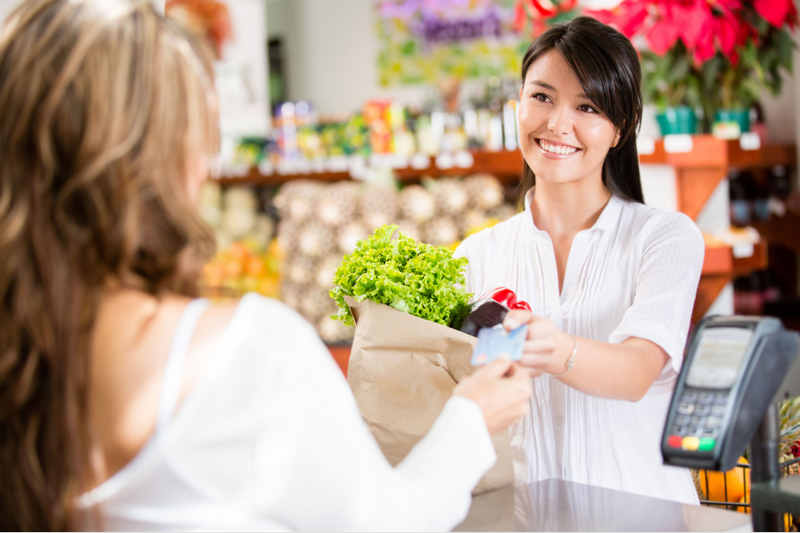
[750, 140]
[287, 167]
[317, 166]
[744, 249]
[303, 166]
[676, 144]
[357, 167]
[266, 168]
[464, 159]
[645, 145]
[445, 161]
[337, 164]
[420, 161]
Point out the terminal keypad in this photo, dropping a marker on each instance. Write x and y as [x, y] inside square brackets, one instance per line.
[699, 418]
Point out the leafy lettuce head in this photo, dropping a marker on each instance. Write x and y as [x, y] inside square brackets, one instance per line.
[416, 278]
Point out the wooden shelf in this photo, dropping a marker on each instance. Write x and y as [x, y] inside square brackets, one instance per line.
[505, 166]
[719, 268]
[709, 151]
[699, 171]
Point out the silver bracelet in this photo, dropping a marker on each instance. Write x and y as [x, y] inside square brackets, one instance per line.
[571, 360]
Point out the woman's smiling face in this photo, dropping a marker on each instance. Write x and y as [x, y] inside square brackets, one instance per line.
[563, 135]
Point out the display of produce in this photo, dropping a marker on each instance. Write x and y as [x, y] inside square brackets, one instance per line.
[248, 257]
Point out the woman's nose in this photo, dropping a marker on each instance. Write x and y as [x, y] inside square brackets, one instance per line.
[560, 121]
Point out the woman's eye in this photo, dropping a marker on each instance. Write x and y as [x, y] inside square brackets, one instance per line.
[541, 97]
[587, 109]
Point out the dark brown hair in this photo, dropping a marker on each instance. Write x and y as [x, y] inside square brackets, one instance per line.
[607, 67]
[104, 104]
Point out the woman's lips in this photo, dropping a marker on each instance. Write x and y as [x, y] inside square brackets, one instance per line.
[556, 151]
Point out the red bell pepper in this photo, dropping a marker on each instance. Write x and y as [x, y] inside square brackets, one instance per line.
[522, 305]
[502, 295]
[506, 297]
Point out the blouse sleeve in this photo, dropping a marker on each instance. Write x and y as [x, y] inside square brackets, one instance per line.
[672, 251]
[320, 468]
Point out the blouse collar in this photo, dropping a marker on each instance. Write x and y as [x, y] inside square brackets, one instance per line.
[606, 221]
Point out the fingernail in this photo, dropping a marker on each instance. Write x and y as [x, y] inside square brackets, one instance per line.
[511, 323]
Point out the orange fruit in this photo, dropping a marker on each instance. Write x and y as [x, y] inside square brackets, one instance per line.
[745, 499]
[238, 251]
[254, 266]
[734, 481]
[233, 268]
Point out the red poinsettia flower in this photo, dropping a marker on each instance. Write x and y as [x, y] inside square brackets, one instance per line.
[726, 29]
[628, 17]
[662, 36]
[696, 25]
[774, 11]
[519, 17]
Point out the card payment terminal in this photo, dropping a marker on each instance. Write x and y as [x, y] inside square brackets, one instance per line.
[731, 370]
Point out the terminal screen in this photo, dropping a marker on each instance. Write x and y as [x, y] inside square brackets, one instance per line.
[719, 354]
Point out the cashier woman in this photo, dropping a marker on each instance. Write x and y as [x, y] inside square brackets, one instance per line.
[125, 403]
[611, 281]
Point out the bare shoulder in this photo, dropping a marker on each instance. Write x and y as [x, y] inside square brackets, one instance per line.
[130, 344]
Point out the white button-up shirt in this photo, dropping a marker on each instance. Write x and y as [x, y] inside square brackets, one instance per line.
[633, 274]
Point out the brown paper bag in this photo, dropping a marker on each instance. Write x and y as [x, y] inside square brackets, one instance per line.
[402, 371]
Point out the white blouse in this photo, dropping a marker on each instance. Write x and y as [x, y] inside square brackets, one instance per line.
[272, 439]
[633, 274]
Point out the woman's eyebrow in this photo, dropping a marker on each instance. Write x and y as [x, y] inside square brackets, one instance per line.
[543, 84]
[549, 87]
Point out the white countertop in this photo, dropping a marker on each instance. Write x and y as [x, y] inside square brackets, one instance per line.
[556, 505]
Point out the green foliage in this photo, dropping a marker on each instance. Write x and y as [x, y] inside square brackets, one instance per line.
[721, 82]
[419, 279]
[669, 80]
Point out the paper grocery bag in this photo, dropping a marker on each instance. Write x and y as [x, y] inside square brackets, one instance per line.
[402, 371]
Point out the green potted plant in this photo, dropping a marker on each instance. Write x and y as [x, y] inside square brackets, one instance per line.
[671, 85]
[715, 55]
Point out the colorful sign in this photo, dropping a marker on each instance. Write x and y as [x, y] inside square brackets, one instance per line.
[427, 40]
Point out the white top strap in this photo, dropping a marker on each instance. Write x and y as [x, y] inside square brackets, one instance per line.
[173, 372]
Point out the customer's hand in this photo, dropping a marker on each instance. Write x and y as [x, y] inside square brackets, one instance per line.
[501, 389]
[546, 347]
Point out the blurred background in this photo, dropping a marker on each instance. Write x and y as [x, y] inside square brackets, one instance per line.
[339, 116]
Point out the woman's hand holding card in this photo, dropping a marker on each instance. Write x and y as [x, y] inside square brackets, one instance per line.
[546, 348]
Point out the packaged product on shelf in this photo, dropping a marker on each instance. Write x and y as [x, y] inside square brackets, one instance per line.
[376, 115]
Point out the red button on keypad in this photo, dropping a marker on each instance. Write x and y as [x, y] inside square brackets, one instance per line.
[675, 441]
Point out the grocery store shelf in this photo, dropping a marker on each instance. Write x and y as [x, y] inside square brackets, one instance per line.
[719, 268]
[706, 152]
[701, 162]
[504, 165]
[709, 151]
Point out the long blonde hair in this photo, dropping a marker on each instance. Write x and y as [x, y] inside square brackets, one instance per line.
[104, 105]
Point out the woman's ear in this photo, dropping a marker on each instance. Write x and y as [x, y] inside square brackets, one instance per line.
[616, 140]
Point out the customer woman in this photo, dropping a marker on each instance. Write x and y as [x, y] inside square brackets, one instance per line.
[124, 402]
[610, 280]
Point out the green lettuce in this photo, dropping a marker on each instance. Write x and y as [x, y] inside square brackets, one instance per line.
[419, 279]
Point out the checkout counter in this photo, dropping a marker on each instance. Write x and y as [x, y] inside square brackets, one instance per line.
[735, 370]
[557, 505]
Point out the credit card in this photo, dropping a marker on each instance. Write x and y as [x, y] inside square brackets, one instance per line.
[497, 343]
